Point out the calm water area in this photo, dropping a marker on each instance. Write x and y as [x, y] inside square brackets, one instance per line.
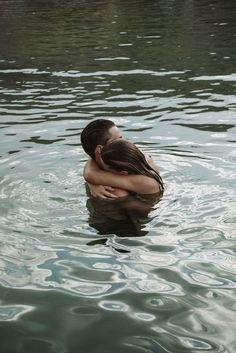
[79, 275]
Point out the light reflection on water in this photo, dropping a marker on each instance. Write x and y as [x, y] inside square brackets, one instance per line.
[79, 274]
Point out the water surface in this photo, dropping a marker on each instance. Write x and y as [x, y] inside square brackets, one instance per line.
[156, 279]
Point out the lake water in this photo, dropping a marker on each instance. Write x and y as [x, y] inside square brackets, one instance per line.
[160, 279]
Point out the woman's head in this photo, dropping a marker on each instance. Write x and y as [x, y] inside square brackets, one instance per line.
[124, 156]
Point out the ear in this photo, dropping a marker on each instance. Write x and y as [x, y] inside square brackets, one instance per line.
[97, 153]
[98, 150]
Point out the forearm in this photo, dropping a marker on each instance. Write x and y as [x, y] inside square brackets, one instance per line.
[98, 190]
[140, 184]
[94, 175]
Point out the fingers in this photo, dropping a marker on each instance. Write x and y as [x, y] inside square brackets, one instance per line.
[105, 195]
[109, 188]
[103, 192]
[110, 195]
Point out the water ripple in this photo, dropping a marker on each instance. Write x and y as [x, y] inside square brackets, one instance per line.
[76, 275]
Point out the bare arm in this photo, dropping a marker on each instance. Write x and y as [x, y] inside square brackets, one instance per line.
[104, 191]
[140, 184]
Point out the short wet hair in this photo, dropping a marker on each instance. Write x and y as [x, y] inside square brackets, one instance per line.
[95, 133]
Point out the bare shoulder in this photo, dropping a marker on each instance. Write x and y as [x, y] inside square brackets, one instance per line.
[152, 163]
[142, 184]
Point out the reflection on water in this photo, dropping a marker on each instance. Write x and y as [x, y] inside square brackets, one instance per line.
[79, 274]
[124, 217]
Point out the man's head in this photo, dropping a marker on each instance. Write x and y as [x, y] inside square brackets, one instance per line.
[97, 134]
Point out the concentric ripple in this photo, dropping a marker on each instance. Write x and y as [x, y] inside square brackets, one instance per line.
[79, 274]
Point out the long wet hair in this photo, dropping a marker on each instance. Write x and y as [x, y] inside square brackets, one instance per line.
[122, 155]
[95, 133]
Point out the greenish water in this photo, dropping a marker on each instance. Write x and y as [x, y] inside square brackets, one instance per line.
[78, 275]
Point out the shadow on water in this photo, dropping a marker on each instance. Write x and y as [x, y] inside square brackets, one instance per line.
[125, 217]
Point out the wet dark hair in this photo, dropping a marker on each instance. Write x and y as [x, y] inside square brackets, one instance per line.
[95, 133]
[122, 155]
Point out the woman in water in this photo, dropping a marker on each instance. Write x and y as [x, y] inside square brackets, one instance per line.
[135, 173]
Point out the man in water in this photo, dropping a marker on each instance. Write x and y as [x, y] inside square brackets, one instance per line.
[125, 216]
[95, 135]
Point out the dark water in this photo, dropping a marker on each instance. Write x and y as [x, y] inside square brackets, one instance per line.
[77, 275]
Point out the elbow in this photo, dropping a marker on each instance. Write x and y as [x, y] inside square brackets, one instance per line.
[151, 186]
[88, 176]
